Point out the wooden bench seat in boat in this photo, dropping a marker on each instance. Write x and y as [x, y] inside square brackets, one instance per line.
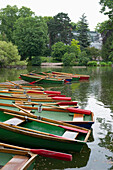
[78, 117]
[14, 121]
[70, 134]
[16, 163]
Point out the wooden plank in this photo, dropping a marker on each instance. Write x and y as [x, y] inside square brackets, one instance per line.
[78, 117]
[14, 121]
[16, 163]
[70, 135]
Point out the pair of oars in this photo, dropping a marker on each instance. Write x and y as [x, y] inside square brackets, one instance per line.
[53, 122]
[42, 152]
[70, 109]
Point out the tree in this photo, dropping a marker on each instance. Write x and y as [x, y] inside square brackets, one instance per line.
[69, 59]
[8, 17]
[106, 30]
[82, 28]
[107, 8]
[58, 50]
[59, 29]
[93, 53]
[74, 47]
[8, 53]
[30, 35]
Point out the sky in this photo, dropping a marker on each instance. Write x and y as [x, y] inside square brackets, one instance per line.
[74, 9]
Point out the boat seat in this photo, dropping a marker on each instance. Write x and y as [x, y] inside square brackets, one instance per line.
[78, 117]
[70, 134]
[14, 121]
[17, 162]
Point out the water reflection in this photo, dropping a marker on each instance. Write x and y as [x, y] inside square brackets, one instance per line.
[79, 160]
[95, 95]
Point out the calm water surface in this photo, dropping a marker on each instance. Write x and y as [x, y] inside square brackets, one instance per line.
[95, 95]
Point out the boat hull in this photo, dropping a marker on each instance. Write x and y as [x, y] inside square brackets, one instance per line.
[30, 78]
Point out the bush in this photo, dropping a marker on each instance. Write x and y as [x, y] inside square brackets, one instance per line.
[46, 59]
[35, 61]
[68, 59]
[109, 63]
[92, 63]
[83, 58]
[8, 53]
[103, 64]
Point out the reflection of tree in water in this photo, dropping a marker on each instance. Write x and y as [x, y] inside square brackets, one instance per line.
[81, 95]
[106, 95]
[79, 159]
[107, 141]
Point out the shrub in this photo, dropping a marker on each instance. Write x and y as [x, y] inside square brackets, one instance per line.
[68, 59]
[92, 63]
[103, 64]
[83, 58]
[109, 63]
[8, 53]
[35, 61]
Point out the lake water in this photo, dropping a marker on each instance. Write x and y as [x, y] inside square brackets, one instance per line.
[95, 95]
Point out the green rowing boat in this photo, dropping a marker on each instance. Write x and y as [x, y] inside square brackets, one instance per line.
[54, 112]
[35, 133]
[39, 79]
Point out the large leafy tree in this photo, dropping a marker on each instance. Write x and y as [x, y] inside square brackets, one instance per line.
[107, 8]
[30, 35]
[8, 17]
[106, 30]
[82, 28]
[59, 28]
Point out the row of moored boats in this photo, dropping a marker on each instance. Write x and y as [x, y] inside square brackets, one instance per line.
[35, 121]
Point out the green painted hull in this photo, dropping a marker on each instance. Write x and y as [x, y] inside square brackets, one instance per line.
[31, 78]
[73, 78]
[53, 114]
[29, 139]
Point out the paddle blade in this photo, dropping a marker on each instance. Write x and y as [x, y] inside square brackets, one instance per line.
[33, 82]
[52, 92]
[67, 103]
[55, 95]
[74, 129]
[76, 110]
[52, 154]
[62, 98]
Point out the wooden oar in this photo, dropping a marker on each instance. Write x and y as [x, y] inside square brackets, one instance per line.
[65, 125]
[33, 82]
[15, 84]
[42, 152]
[49, 104]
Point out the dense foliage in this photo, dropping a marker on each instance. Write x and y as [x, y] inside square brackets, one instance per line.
[8, 54]
[59, 29]
[30, 35]
[106, 30]
[35, 36]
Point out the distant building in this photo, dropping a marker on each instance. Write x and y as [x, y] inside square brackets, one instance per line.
[95, 38]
